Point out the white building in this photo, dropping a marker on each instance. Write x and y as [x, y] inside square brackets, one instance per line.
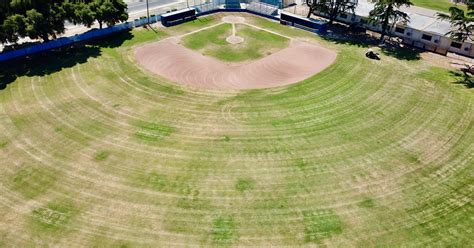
[424, 30]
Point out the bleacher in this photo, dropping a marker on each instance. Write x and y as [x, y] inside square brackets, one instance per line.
[206, 7]
[276, 3]
[263, 8]
[232, 4]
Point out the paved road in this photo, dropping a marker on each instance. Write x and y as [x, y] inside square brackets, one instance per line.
[140, 6]
[136, 8]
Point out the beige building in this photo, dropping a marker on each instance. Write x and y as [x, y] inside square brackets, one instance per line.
[424, 30]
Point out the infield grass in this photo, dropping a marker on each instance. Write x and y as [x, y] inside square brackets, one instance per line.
[94, 151]
[257, 43]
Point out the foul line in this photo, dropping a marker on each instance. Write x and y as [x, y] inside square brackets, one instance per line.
[270, 31]
[233, 25]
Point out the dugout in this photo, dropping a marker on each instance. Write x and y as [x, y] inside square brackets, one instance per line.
[318, 26]
[177, 17]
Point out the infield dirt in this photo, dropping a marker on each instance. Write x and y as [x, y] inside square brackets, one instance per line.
[179, 64]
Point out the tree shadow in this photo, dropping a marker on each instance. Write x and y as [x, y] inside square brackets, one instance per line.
[52, 61]
[341, 34]
[348, 39]
[113, 40]
[402, 53]
[150, 27]
[463, 78]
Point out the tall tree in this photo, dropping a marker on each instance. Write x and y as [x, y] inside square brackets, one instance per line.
[86, 12]
[45, 24]
[79, 13]
[13, 27]
[45, 18]
[387, 12]
[462, 22]
[109, 11]
[36, 19]
[331, 8]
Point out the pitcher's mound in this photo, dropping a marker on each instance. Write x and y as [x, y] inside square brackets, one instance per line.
[184, 66]
[234, 39]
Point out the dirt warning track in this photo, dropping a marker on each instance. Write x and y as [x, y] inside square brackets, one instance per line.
[171, 60]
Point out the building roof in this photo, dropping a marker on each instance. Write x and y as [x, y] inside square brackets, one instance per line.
[420, 18]
[363, 8]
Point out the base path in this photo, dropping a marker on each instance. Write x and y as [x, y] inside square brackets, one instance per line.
[184, 66]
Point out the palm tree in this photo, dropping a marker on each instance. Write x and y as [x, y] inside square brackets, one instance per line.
[388, 12]
[462, 22]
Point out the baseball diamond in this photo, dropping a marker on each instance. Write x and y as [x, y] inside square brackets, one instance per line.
[297, 62]
[232, 130]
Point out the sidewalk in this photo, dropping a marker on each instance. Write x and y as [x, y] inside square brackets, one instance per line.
[72, 30]
[78, 29]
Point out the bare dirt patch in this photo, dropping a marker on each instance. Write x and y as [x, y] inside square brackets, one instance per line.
[185, 66]
[233, 19]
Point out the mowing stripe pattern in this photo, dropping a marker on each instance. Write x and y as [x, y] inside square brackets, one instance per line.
[104, 153]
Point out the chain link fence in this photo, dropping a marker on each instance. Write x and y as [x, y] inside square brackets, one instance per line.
[265, 7]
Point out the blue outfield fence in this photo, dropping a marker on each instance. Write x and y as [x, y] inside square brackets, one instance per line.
[64, 41]
[264, 8]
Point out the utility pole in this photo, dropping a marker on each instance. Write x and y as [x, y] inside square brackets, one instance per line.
[147, 12]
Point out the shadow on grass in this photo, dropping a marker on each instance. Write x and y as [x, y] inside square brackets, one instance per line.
[463, 78]
[402, 53]
[49, 62]
[349, 40]
[341, 34]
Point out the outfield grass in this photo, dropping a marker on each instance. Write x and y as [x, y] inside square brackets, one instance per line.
[257, 43]
[438, 5]
[96, 152]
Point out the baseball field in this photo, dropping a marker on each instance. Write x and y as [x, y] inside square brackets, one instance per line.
[99, 147]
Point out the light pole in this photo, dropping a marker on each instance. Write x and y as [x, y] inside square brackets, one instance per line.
[147, 12]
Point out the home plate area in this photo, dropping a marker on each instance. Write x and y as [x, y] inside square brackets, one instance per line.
[175, 62]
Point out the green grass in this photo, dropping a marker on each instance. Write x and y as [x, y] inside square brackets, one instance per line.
[54, 216]
[367, 203]
[321, 224]
[438, 5]
[3, 143]
[33, 180]
[365, 153]
[165, 183]
[224, 230]
[243, 185]
[257, 43]
[152, 132]
[101, 155]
